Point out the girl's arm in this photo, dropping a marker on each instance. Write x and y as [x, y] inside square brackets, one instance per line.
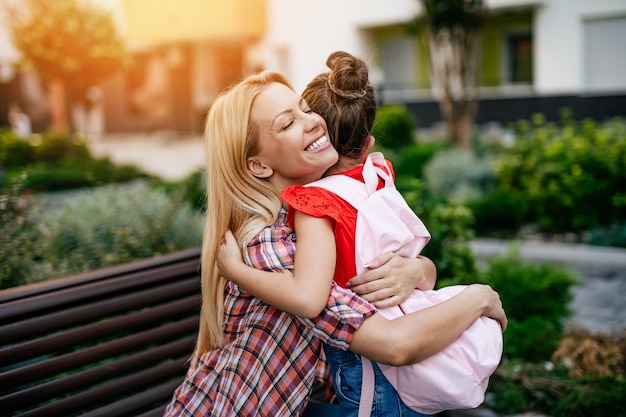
[416, 336]
[391, 278]
[304, 295]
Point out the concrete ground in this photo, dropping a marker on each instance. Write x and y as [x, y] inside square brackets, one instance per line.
[168, 155]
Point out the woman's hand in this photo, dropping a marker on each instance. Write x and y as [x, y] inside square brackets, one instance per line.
[390, 279]
[493, 304]
[229, 256]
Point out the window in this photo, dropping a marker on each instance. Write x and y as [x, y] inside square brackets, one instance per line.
[519, 58]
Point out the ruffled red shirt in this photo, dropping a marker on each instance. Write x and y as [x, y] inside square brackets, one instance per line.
[318, 202]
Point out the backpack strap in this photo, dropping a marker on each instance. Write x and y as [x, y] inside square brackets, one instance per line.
[354, 191]
[367, 388]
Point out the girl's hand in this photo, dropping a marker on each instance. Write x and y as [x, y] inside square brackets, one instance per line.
[229, 256]
[390, 279]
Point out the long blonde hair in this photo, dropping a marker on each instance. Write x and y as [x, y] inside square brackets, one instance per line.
[236, 200]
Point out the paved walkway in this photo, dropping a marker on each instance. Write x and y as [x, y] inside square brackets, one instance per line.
[599, 300]
[168, 155]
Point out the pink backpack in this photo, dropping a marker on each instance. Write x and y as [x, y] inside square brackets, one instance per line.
[456, 377]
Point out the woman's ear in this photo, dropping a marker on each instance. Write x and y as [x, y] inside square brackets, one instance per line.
[258, 169]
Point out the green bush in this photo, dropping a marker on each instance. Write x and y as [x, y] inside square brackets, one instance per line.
[192, 188]
[459, 175]
[498, 213]
[57, 162]
[520, 388]
[17, 236]
[536, 299]
[14, 151]
[412, 159]
[573, 176]
[108, 226]
[612, 235]
[55, 147]
[394, 127]
[72, 172]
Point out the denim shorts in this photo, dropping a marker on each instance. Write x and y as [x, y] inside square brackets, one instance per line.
[347, 372]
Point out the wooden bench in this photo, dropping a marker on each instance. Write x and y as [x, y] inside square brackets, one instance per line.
[112, 342]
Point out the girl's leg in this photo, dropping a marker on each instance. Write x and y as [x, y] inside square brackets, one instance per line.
[347, 372]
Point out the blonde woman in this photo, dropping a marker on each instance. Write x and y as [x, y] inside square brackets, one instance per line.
[251, 358]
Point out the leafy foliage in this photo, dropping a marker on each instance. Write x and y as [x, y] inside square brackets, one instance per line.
[17, 235]
[54, 162]
[68, 39]
[536, 298]
[108, 226]
[459, 175]
[544, 388]
[573, 177]
[394, 127]
[445, 14]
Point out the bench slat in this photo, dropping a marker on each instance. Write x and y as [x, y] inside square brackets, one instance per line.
[98, 396]
[31, 290]
[57, 388]
[82, 335]
[29, 328]
[162, 393]
[54, 300]
[66, 363]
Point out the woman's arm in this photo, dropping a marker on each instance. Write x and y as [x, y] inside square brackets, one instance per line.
[391, 278]
[306, 293]
[416, 336]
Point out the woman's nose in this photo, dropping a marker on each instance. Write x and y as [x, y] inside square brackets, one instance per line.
[313, 121]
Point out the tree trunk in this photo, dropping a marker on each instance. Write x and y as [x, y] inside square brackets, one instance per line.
[58, 106]
[454, 58]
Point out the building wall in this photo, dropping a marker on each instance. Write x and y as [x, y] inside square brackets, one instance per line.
[559, 34]
[300, 35]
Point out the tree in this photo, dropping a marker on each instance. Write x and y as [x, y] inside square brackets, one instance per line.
[454, 29]
[71, 45]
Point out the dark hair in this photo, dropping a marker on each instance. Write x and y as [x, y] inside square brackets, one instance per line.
[345, 99]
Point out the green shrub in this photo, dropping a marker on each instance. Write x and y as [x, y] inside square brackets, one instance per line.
[192, 188]
[15, 152]
[573, 176]
[17, 236]
[73, 172]
[612, 235]
[394, 127]
[449, 227]
[413, 158]
[536, 299]
[111, 225]
[498, 213]
[55, 147]
[458, 174]
[543, 388]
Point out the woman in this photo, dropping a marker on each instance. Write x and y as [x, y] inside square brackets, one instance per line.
[251, 358]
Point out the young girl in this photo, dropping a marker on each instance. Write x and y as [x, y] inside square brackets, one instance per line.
[251, 358]
[325, 226]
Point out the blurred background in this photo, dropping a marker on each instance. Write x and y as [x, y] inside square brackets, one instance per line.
[172, 58]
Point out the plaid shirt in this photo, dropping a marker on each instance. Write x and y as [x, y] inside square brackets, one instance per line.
[267, 365]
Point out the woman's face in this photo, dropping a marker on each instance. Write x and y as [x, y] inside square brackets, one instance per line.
[294, 143]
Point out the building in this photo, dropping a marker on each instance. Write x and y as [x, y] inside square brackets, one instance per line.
[538, 56]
